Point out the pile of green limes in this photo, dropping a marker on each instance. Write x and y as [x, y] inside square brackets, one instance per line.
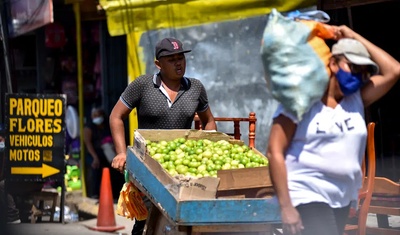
[202, 157]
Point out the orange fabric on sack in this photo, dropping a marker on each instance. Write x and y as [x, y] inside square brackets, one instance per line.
[320, 32]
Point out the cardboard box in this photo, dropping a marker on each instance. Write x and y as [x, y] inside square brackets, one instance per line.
[244, 178]
[245, 182]
[184, 188]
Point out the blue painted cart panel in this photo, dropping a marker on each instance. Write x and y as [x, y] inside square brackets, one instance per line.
[198, 212]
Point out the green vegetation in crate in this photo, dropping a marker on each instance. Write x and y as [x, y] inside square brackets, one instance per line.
[203, 157]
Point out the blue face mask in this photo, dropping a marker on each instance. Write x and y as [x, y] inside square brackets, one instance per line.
[348, 82]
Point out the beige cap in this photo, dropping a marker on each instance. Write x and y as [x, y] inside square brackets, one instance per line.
[355, 52]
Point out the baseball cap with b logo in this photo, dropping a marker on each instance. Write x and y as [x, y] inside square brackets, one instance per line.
[169, 46]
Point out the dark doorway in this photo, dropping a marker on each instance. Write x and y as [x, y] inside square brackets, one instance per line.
[378, 22]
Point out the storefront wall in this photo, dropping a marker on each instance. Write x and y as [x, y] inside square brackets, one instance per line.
[38, 66]
[40, 70]
[44, 61]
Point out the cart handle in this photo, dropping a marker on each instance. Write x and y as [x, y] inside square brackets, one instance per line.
[126, 176]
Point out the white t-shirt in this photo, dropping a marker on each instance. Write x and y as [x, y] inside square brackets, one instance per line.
[325, 156]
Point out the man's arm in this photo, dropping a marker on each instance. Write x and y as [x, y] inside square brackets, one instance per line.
[207, 120]
[119, 113]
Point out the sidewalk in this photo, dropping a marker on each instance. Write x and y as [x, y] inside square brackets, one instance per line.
[88, 210]
[75, 228]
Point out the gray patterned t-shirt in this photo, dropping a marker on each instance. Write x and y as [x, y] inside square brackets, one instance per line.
[153, 111]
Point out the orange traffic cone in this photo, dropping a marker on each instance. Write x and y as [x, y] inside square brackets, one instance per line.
[106, 215]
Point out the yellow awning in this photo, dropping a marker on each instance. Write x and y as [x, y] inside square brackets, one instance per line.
[125, 16]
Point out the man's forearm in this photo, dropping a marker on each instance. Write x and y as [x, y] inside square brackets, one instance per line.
[118, 135]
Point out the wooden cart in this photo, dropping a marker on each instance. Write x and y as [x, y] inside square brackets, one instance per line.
[209, 216]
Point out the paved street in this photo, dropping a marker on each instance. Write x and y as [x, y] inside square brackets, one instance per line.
[80, 228]
[89, 208]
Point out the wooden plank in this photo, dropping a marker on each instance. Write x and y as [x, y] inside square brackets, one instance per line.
[386, 186]
[382, 231]
[228, 211]
[384, 210]
[157, 224]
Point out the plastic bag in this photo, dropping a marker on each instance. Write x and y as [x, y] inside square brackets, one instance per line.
[130, 202]
[295, 58]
